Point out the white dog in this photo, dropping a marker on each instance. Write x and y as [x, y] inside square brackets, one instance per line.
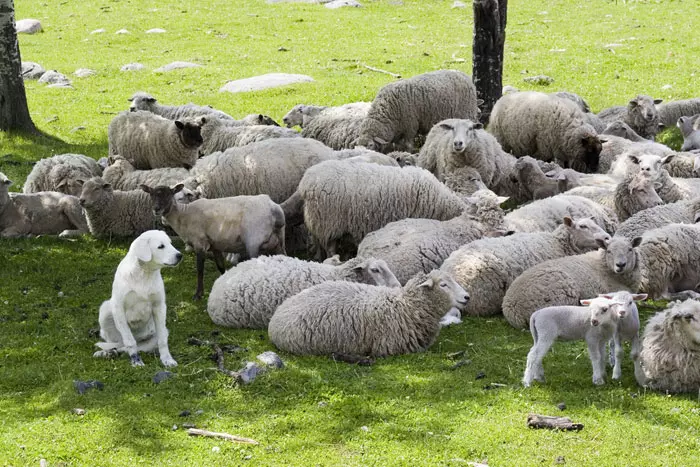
[133, 319]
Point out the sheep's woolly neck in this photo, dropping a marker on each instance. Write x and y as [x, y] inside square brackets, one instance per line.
[567, 242]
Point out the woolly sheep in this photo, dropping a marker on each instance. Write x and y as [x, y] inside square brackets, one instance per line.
[688, 124]
[359, 319]
[683, 165]
[42, 213]
[64, 173]
[273, 167]
[464, 181]
[404, 158]
[247, 295]
[685, 211]
[301, 114]
[336, 127]
[545, 127]
[150, 141]
[219, 136]
[348, 199]
[365, 156]
[533, 183]
[640, 114]
[412, 246]
[595, 322]
[614, 147]
[248, 225]
[255, 120]
[545, 215]
[487, 267]
[409, 107]
[622, 130]
[670, 189]
[670, 353]
[575, 98]
[670, 112]
[115, 213]
[122, 175]
[146, 102]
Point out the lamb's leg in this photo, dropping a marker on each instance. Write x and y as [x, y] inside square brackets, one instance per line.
[635, 348]
[619, 355]
[219, 260]
[596, 350]
[75, 215]
[534, 369]
[200, 276]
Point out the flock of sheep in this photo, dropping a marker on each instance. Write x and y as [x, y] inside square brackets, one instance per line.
[607, 216]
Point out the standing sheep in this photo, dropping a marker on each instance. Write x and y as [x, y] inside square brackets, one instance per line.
[146, 102]
[640, 114]
[64, 173]
[627, 330]
[122, 175]
[150, 141]
[247, 295]
[410, 107]
[333, 131]
[365, 320]
[218, 135]
[545, 127]
[487, 267]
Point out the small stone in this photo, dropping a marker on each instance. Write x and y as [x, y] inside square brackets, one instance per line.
[188, 425]
[323, 404]
[215, 449]
[561, 406]
[364, 428]
[343, 3]
[98, 31]
[184, 413]
[666, 86]
[247, 374]
[78, 411]
[156, 31]
[84, 72]
[60, 294]
[132, 67]
[162, 376]
[560, 460]
[458, 4]
[31, 70]
[270, 80]
[43, 463]
[123, 31]
[480, 375]
[28, 26]
[174, 428]
[176, 66]
[270, 358]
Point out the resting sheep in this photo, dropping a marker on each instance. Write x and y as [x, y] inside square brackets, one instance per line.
[365, 320]
[534, 184]
[150, 141]
[487, 267]
[64, 173]
[464, 181]
[247, 295]
[146, 102]
[547, 128]
[685, 211]
[670, 112]
[640, 114]
[336, 127]
[122, 175]
[622, 130]
[410, 107]
[218, 135]
[248, 225]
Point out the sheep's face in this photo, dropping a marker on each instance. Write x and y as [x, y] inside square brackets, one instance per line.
[294, 116]
[602, 310]
[689, 324]
[585, 233]
[404, 159]
[141, 101]
[4, 183]
[94, 192]
[625, 302]
[259, 119]
[372, 143]
[162, 198]
[460, 133]
[643, 189]
[650, 164]
[685, 124]
[621, 254]
[590, 149]
[185, 196]
[445, 283]
[376, 272]
[190, 132]
[70, 187]
[645, 107]
[618, 128]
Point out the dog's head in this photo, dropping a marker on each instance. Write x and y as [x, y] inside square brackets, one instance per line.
[155, 248]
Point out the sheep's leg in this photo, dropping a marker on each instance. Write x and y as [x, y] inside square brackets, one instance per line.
[534, 369]
[619, 355]
[75, 215]
[200, 276]
[596, 350]
[219, 260]
[635, 348]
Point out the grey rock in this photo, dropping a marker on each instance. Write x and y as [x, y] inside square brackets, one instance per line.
[270, 80]
[32, 70]
[132, 67]
[28, 26]
[54, 77]
[343, 3]
[270, 358]
[247, 374]
[156, 31]
[84, 72]
[176, 66]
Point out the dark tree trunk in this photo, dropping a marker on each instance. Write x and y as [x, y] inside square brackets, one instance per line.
[487, 52]
[14, 113]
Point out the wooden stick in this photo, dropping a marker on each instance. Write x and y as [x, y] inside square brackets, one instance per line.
[213, 434]
[552, 423]
[379, 70]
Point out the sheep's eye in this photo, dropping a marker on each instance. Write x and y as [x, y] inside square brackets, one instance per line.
[584, 226]
[374, 270]
[605, 308]
[443, 284]
[630, 250]
[161, 247]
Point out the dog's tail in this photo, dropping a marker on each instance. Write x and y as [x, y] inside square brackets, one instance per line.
[108, 345]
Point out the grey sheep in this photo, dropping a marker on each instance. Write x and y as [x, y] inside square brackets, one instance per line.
[412, 246]
[273, 167]
[349, 199]
[670, 112]
[614, 147]
[247, 225]
[487, 267]
[622, 130]
[303, 114]
[534, 184]
[464, 181]
[365, 320]
[150, 141]
[640, 114]
[146, 102]
[575, 98]
[247, 295]
[688, 124]
[404, 158]
[218, 135]
[122, 175]
[670, 353]
[333, 130]
[64, 173]
[410, 107]
[41, 213]
[685, 211]
[255, 120]
[545, 127]
[545, 215]
[116, 213]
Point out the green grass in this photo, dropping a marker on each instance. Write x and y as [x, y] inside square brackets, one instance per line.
[416, 409]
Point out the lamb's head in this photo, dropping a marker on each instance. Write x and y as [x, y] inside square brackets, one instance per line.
[70, 186]
[621, 129]
[585, 234]
[643, 188]
[294, 117]
[485, 206]
[602, 310]
[189, 131]
[644, 107]
[373, 143]
[649, 164]
[587, 147]
[625, 302]
[442, 286]
[404, 158]
[371, 271]
[186, 196]
[458, 133]
[527, 171]
[259, 119]
[162, 198]
[682, 323]
[621, 253]
[96, 192]
[687, 124]
[142, 101]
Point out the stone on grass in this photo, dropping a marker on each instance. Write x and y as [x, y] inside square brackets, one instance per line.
[132, 67]
[31, 70]
[84, 72]
[156, 31]
[458, 4]
[28, 26]
[342, 3]
[54, 77]
[123, 31]
[98, 31]
[270, 80]
[270, 358]
[176, 66]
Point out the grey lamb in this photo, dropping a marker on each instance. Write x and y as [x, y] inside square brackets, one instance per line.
[64, 173]
[545, 127]
[247, 295]
[146, 102]
[640, 114]
[150, 141]
[122, 175]
[365, 320]
[218, 135]
[410, 107]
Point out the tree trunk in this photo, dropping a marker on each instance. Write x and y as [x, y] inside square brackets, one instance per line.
[487, 52]
[14, 113]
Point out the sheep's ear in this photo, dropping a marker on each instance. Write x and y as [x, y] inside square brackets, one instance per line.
[634, 102]
[61, 185]
[446, 126]
[146, 188]
[80, 182]
[636, 242]
[7, 182]
[151, 100]
[633, 158]
[662, 126]
[479, 102]
[667, 159]
[568, 221]
[202, 120]
[561, 176]
[639, 296]
[107, 186]
[603, 139]
[502, 199]
[586, 302]
[696, 218]
[178, 187]
[606, 295]
[142, 250]
[429, 283]
[658, 185]
[130, 99]
[179, 124]
[478, 126]
[681, 120]
[658, 101]
[601, 243]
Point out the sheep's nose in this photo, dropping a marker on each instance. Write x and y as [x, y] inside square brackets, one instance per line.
[458, 145]
[594, 322]
[607, 239]
[620, 265]
[82, 201]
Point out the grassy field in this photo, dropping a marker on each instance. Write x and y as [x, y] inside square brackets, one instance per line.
[409, 410]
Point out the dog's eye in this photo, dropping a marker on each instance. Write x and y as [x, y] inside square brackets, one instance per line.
[161, 247]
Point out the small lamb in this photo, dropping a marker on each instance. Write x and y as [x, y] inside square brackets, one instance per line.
[627, 330]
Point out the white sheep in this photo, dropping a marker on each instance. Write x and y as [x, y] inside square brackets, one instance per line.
[410, 107]
[534, 184]
[640, 114]
[150, 141]
[614, 147]
[670, 355]
[42, 213]
[685, 211]
[218, 135]
[336, 127]
[360, 154]
[412, 246]
[146, 102]
[360, 319]
[64, 173]
[122, 175]
[488, 266]
[595, 322]
[547, 128]
[247, 295]
[627, 330]
[248, 225]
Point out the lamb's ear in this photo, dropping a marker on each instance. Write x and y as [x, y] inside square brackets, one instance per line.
[178, 187]
[633, 158]
[445, 126]
[696, 218]
[152, 100]
[636, 242]
[606, 295]
[478, 126]
[142, 250]
[179, 124]
[429, 283]
[106, 186]
[7, 182]
[146, 188]
[479, 102]
[658, 101]
[202, 121]
[634, 102]
[130, 99]
[568, 221]
[639, 296]
[662, 126]
[61, 185]
[603, 139]
[80, 182]
[601, 243]
[667, 159]
[586, 302]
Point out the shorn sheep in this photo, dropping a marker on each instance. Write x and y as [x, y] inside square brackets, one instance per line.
[640, 114]
[359, 319]
[248, 225]
[547, 128]
[150, 141]
[64, 173]
[247, 295]
[670, 355]
[410, 107]
[146, 102]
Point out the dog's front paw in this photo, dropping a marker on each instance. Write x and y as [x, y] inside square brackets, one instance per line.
[105, 354]
[136, 360]
[168, 362]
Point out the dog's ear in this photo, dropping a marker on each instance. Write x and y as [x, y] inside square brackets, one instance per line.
[142, 250]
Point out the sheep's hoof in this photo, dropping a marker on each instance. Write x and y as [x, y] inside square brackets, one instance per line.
[598, 381]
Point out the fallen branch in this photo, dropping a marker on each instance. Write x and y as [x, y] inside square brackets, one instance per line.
[213, 434]
[552, 423]
[379, 70]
